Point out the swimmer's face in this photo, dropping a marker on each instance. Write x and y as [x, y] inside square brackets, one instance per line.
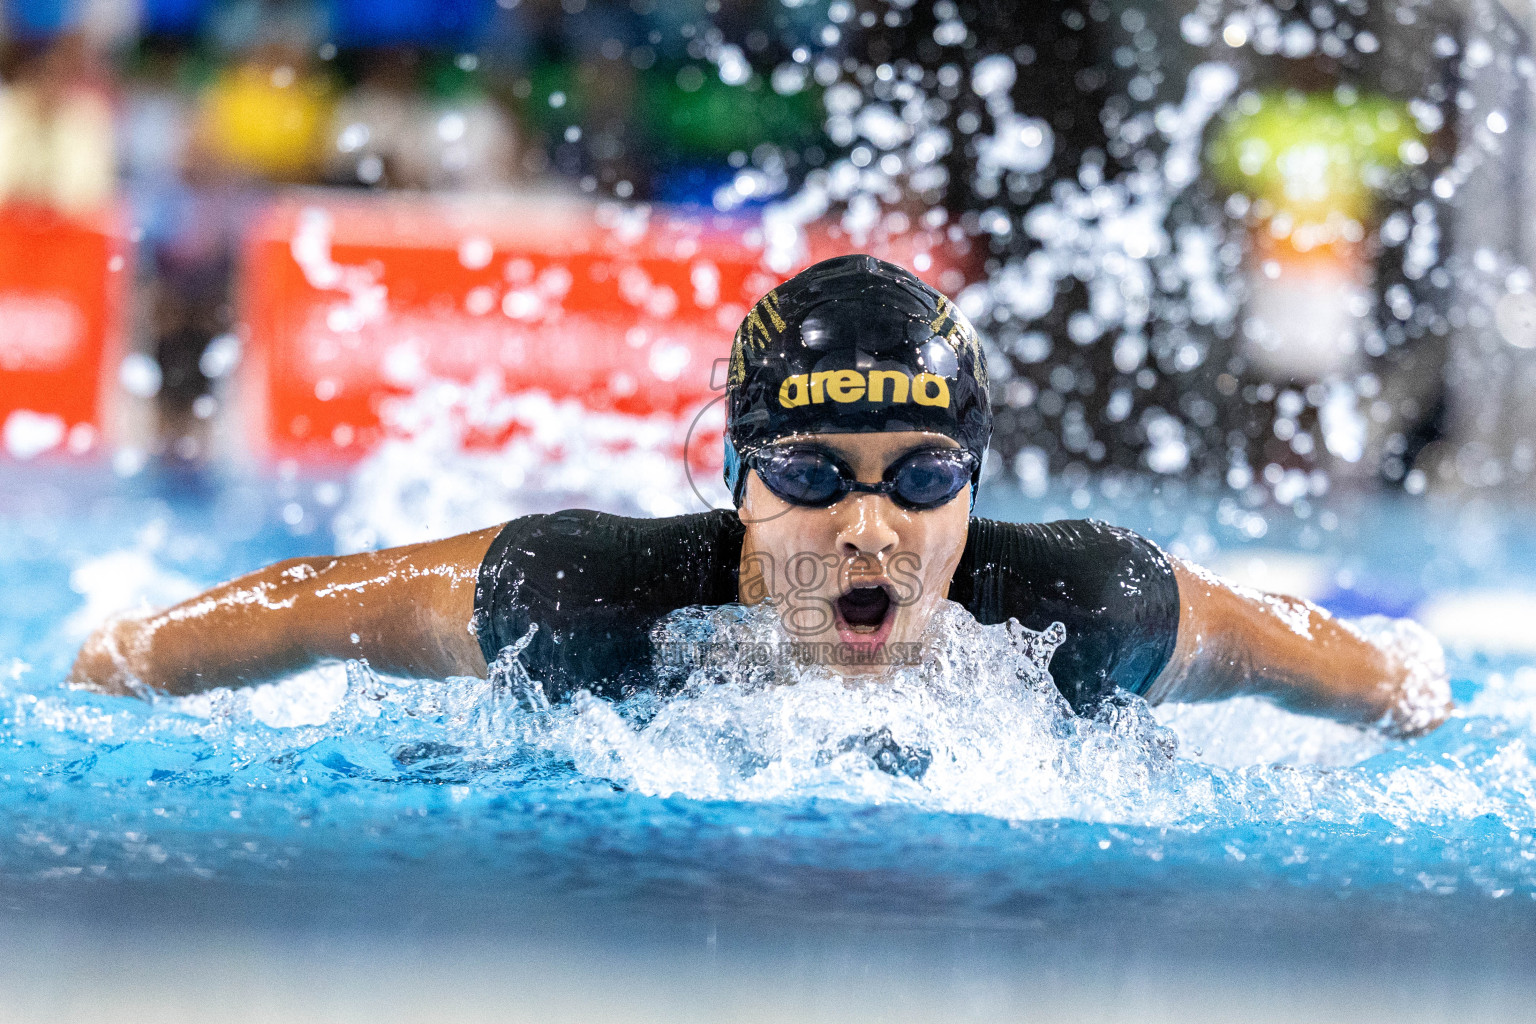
[862, 573]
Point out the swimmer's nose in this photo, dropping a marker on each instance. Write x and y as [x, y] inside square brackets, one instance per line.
[865, 525]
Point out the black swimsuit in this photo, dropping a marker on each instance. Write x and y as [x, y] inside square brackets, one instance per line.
[597, 583]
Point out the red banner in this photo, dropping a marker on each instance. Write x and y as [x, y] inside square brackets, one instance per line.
[351, 302]
[62, 286]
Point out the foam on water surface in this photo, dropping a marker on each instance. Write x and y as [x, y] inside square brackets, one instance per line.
[976, 729]
[340, 765]
[422, 484]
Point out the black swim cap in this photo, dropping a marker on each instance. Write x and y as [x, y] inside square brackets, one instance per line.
[854, 345]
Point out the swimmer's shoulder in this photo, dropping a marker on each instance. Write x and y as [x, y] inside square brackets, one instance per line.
[1104, 569]
[1059, 539]
[582, 535]
[576, 549]
[1113, 589]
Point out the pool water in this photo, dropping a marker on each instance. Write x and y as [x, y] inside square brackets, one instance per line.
[341, 802]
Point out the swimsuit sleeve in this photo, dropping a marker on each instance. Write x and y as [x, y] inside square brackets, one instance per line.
[1115, 592]
[594, 584]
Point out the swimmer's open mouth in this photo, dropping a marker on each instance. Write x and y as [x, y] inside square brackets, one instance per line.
[864, 609]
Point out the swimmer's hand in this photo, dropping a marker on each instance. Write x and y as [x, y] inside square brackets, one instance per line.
[104, 662]
[407, 610]
[1385, 673]
[1416, 684]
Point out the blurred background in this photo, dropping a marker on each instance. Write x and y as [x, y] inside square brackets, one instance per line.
[1270, 248]
[285, 277]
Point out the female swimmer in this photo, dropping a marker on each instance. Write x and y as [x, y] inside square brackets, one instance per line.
[857, 421]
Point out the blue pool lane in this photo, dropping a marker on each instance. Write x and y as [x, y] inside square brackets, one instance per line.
[411, 806]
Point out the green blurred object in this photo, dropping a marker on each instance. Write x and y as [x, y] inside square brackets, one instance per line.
[696, 114]
[446, 78]
[1312, 154]
[555, 98]
[684, 108]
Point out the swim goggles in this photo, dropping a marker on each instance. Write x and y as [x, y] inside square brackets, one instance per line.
[813, 477]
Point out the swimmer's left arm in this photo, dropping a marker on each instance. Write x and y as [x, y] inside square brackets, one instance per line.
[1233, 640]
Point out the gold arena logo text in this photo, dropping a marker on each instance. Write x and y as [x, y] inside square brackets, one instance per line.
[854, 386]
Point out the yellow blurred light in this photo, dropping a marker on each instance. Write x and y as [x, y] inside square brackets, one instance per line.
[1313, 155]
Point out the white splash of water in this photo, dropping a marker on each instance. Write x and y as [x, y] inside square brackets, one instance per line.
[977, 728]
[980, 709]
[1250, 730]
[1110, 233]
[366, 297]
[130, 580]
[311, 697]
[897, 153]
[1020, 143]
[28, 434]
[1426, 688]
[423, 483]
[1510, 698]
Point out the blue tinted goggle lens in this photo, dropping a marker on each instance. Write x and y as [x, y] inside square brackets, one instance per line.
[816, 478]
[929, 479]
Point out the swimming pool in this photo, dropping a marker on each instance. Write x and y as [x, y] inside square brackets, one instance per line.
[732, 849]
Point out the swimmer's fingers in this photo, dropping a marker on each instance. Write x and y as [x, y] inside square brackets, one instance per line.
[102, 665]
[1422, 704]
[1419, 686]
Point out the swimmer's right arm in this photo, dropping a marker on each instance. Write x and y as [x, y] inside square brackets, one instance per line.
[407, 610]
